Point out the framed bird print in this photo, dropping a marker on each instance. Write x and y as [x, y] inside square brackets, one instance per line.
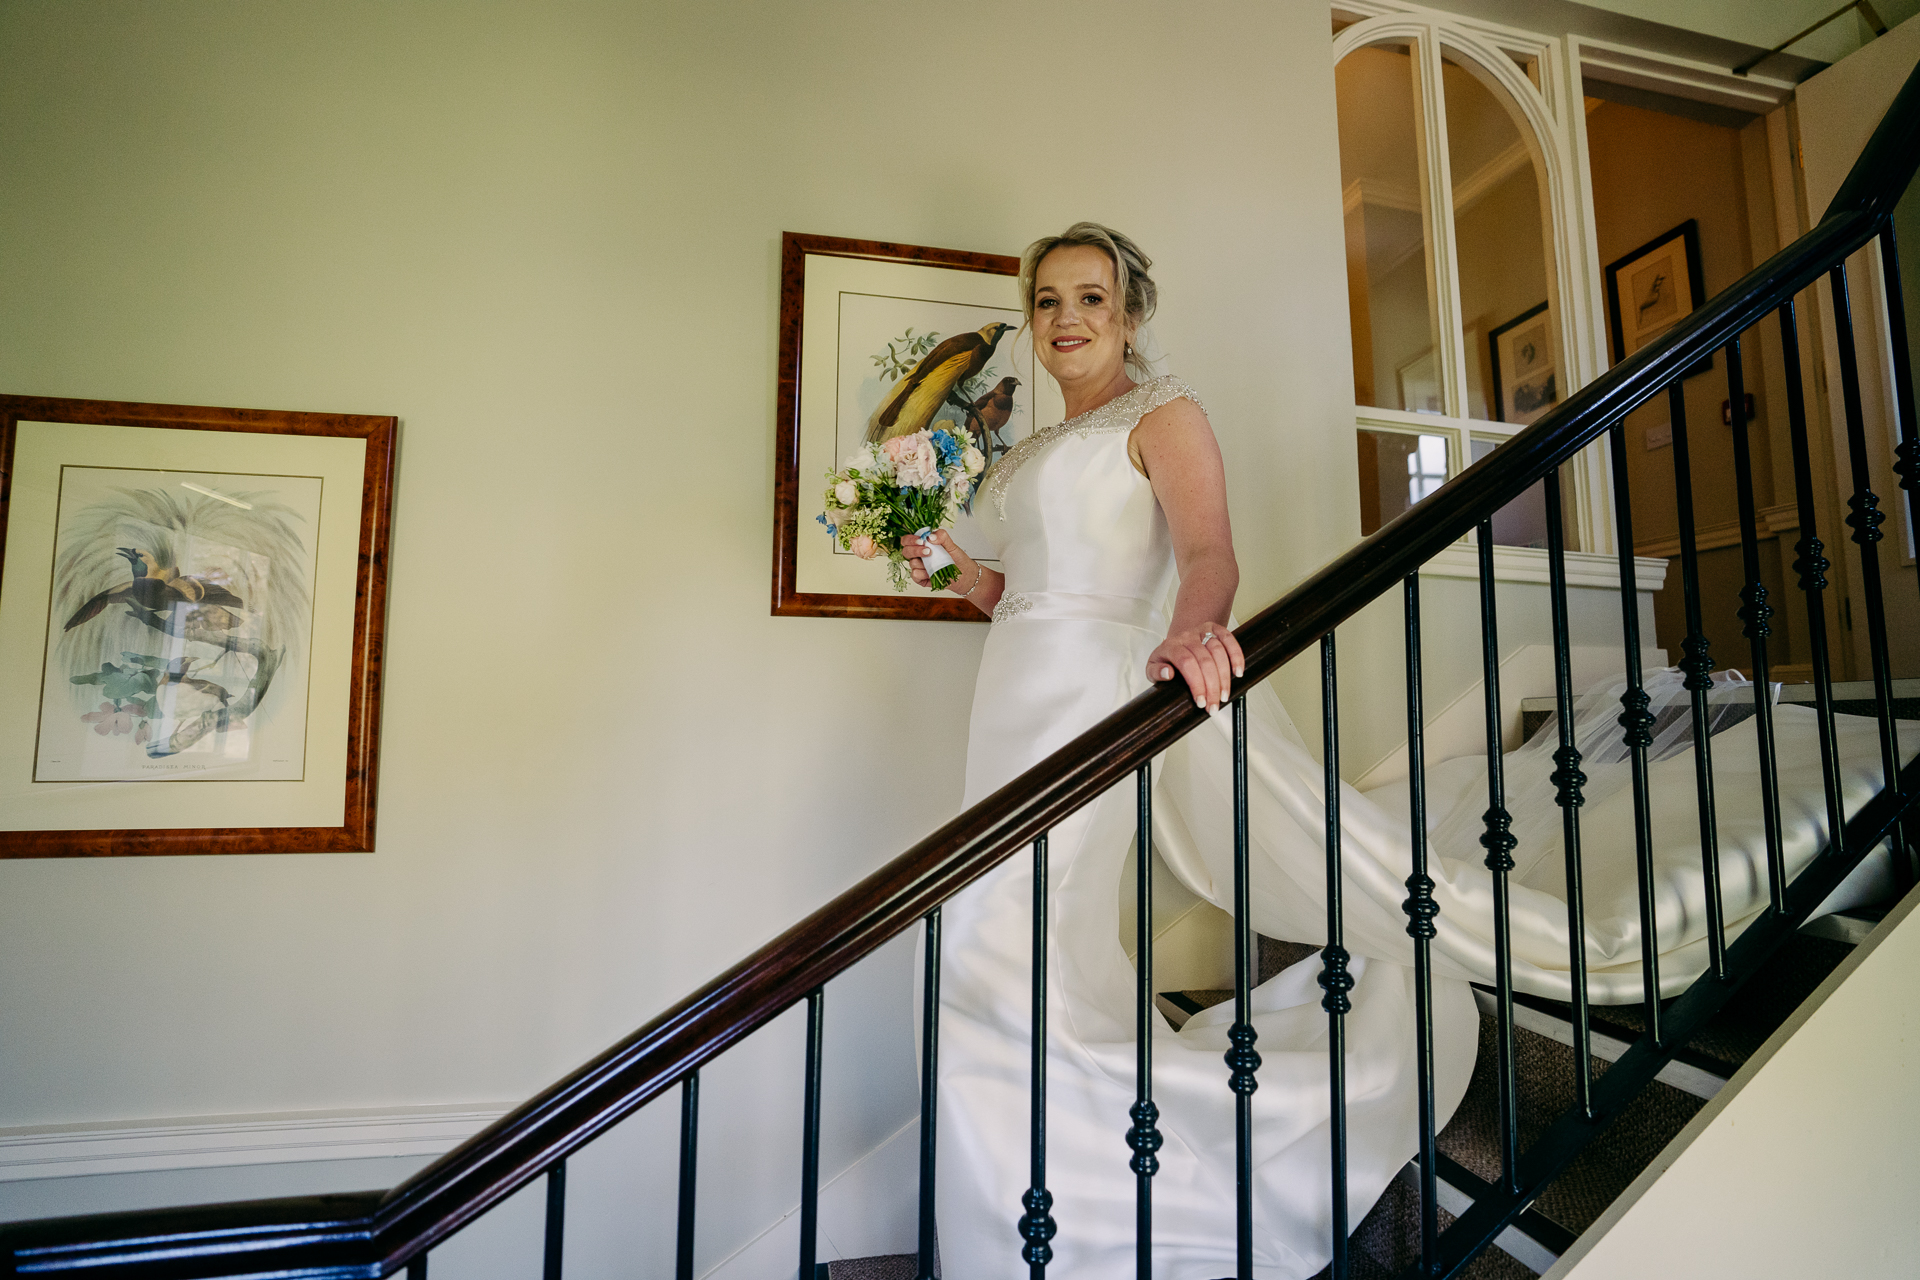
[879, 342]
[1524, 380]
[1653, 288]
[191, 609]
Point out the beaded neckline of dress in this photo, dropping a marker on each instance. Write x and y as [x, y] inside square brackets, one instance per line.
[1123, 412]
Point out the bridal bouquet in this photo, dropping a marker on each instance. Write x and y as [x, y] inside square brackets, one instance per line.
[909, 484]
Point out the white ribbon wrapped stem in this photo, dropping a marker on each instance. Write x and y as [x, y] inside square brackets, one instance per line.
[936, 558]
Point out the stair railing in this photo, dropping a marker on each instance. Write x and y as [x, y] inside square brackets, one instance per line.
[374, 1234]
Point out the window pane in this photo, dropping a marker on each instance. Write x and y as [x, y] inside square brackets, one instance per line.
[1522, 522]
[1390, 304]
[1511, 336]
[1397, 469]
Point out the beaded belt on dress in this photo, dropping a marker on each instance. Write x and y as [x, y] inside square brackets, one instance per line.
[1129, 611]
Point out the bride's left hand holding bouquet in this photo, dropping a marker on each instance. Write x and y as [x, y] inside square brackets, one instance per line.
[910, 484]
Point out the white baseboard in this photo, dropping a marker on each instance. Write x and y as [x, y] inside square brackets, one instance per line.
[199, 1142]
[871, 1207]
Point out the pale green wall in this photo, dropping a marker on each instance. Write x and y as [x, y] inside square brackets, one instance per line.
[547, 237]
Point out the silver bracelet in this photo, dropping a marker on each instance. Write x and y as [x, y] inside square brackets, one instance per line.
[979, 575]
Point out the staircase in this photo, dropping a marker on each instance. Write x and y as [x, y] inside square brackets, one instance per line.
[1568, 1103]
[1386, 1242]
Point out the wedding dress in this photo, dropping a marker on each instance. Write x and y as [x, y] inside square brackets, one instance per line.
[1089, 573]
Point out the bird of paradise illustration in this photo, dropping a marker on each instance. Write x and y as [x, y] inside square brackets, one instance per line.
[941, 373]
[180, 611]
[930, 374]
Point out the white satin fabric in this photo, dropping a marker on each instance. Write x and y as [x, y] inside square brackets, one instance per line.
[1088, 561]
[1089, 566]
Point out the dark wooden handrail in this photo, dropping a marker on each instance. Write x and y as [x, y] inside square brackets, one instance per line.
[372, 1235]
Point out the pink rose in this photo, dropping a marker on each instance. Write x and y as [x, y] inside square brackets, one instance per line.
[862, 546]
[916, 464]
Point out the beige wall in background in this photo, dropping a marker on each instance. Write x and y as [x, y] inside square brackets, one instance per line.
[547, 237]
[1652, 172]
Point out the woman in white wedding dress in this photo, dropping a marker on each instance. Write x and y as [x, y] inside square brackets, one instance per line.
[1095, 520]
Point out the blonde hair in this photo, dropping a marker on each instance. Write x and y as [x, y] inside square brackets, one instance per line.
[1131, 283]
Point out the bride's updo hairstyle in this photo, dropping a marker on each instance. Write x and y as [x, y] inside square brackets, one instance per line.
[1130, 279]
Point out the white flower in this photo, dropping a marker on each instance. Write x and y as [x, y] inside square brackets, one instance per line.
[973, 460]
[846, 493]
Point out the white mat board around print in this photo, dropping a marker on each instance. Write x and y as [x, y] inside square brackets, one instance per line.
[874, 306]
[314, 796]
[179, 627]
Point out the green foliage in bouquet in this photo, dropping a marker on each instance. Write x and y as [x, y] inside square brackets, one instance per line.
[901, 486]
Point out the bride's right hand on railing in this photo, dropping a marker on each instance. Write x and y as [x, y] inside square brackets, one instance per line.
[1206, 654]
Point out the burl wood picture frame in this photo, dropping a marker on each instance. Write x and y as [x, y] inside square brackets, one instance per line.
[858, 319]
[192, 612]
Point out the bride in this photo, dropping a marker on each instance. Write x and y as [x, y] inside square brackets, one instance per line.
[1100, 521]
[1093, 519]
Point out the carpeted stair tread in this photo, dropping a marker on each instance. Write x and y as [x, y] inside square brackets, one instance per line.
[1387, 1242]
[1543, 1071]
[1759, 1008]
[890, 1266]
[1276, 955]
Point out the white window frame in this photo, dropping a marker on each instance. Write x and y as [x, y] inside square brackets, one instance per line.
[1552, 128]
[1552, 101]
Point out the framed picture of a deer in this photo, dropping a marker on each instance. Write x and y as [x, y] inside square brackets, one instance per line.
[191, 609]
[880, 341]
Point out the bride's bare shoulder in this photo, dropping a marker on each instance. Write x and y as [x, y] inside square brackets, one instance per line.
[1176, 423]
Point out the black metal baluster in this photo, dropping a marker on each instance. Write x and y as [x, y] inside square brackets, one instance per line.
[1698, 665]
[1037, 1225]
[1499, 843]
[417, 1269]
[810, 1138]
[1812, 565]
[929, 1090]
[1334, 978]
[1567, 780]
[1908, 453]
[1865, 523]
[556, 1219]
[1637, 722]
[1242, 1060]
[689, 1154]
[1144, 1137]
[1421, 909]
[1754, 612]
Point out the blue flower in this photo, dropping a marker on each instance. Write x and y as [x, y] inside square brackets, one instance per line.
[948, 448]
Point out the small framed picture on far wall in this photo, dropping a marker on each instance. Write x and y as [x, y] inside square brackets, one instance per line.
[1526, 382]
[1654, 288]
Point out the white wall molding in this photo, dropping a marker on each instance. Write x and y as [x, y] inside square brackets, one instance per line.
[1529, 564]
[199, 1142]
[1681, 77]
